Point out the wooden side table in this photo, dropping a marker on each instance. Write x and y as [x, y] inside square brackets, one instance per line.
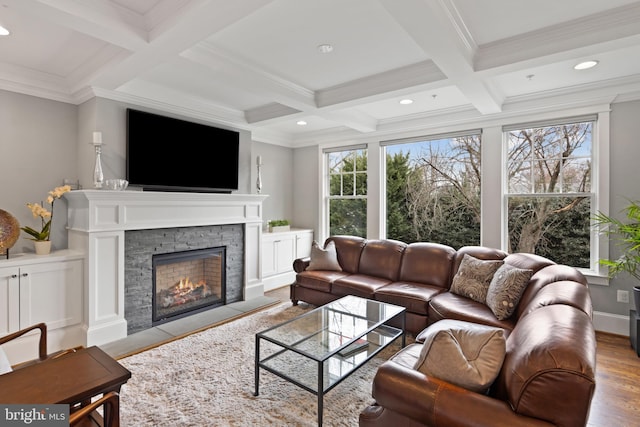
[73, 379]
[634, 330]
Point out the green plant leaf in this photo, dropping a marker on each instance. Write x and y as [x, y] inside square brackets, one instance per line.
[626, 236]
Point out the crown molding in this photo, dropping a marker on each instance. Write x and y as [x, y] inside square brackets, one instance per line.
[461, 118]
[188, 107]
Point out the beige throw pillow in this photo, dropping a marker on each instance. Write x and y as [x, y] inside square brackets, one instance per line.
[324, 259]
[505, 290]
[466, 354]
[473, 277]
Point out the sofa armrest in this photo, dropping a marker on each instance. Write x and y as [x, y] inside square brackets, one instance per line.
[431, 401]
[301, 264]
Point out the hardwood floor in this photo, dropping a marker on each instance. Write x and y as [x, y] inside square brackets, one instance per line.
[616, 402]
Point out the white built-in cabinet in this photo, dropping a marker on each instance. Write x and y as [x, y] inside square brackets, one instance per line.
[41, 288]
[279, 250]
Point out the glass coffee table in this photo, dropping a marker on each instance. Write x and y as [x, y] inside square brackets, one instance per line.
[319, 349]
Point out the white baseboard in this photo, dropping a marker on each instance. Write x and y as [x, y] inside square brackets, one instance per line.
[612, 323]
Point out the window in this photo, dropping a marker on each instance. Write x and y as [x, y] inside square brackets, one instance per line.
[433, 189]
[549, 192]
[347, 192]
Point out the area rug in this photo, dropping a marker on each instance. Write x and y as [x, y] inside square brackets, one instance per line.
[207, 379]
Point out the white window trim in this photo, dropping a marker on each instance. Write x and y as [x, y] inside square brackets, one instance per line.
[599, 249]
[324, 216]
[493, 215]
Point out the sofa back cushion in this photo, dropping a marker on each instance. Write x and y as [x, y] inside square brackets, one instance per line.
[549, 367]
[382, 258]
[566, 292]
[349, 249]
[428, 263]
[544, 276]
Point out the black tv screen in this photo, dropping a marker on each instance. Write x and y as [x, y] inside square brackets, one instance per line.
[170, 154]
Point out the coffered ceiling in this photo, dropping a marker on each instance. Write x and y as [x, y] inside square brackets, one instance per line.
[256, 64]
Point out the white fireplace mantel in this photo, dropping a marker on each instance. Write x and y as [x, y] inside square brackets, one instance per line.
[97, 220]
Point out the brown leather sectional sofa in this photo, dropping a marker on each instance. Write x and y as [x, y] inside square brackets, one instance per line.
[548, 374]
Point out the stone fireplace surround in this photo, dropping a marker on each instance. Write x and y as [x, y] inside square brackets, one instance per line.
[97, 221]
[141, 245]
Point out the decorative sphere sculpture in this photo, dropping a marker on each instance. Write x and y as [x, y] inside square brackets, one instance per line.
[9, 231]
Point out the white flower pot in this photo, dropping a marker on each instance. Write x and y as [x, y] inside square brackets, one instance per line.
[279, 228]
[43, 247]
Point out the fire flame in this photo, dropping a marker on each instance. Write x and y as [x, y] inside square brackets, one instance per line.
[184, 291]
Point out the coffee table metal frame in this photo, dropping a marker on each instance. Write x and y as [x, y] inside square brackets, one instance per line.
[323, 337]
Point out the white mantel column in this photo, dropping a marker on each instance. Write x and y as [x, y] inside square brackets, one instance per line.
[98, 219]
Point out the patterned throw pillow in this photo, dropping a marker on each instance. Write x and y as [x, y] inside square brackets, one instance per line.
[466, 354]
[324, 259]
[505, 290]
[474, 276]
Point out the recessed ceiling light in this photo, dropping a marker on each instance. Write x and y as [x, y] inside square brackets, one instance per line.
[301, 123]
[585, 65]
[4, 31]
[325, 48]
[406, 101]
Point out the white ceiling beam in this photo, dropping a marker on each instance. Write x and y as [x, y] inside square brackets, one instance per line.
[619, 27]
[437, 28]
[96, 19]
[290, 98]
[247, 76]
[199, 21]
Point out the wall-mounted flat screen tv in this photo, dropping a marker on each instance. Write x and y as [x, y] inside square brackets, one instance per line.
[168, 154]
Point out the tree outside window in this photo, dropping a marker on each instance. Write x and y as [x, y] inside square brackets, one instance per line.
[433, 191]
[549, 194]
[347, 192]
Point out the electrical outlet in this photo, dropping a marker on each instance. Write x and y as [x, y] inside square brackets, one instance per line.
[623, 296]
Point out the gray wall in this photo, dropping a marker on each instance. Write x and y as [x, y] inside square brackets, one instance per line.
[306, 188]
[624, 185]
[277, 181]
[37, 151]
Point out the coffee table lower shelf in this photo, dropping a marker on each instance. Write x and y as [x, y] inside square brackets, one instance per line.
[300, 363]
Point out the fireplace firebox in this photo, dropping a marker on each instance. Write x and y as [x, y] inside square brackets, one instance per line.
[187, 282]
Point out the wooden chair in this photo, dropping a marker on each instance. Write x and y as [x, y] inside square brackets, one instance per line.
[42, 345]
[88, 416]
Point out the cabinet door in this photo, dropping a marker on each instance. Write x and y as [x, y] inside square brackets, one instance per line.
[285, 250]
[303, 244]
[268, 257]
[9, 300]
[51, 293]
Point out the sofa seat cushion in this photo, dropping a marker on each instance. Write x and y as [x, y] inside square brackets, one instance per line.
[408, 356]
[466, 354]
[451, 306]
[414, 297]
[359, 285]
[319, 280]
